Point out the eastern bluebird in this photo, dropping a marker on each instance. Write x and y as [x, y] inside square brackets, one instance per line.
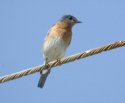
[56, 42]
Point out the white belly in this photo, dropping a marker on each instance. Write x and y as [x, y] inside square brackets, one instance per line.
[54, 49]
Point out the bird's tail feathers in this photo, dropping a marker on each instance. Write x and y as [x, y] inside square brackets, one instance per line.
[44, 75]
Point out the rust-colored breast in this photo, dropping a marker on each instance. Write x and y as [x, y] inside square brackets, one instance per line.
[63, 30]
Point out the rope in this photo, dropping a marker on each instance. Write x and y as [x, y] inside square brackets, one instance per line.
[62, 61]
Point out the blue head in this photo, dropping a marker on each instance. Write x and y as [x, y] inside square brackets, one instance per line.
[70, 19]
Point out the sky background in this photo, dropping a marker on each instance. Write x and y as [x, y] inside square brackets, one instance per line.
[97, 79]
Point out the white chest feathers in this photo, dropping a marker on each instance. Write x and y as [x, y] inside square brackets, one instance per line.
[54, 49]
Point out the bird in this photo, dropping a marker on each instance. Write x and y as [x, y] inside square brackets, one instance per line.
[56, 43]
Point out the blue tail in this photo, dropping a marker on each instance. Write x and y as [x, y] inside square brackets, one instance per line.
[42, 79]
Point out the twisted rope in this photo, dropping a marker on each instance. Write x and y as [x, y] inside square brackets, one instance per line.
[62, 61]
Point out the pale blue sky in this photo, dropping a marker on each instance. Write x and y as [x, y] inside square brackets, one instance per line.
[97, 79]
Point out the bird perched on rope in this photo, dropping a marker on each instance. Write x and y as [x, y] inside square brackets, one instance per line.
[56, 42]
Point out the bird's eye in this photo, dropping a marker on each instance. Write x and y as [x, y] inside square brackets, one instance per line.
[70, 18]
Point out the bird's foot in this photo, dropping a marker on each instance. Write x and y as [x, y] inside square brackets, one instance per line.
[47, 66]
[58, 61]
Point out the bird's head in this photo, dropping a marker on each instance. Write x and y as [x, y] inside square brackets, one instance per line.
[70, 19]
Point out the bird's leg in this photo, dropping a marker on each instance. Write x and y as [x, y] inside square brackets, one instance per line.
[58, 61]
[46, 63]
[46, 67]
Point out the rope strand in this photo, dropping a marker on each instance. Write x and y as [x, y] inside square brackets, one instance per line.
[62, 61]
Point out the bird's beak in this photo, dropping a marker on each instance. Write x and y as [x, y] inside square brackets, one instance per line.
[79, 22]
